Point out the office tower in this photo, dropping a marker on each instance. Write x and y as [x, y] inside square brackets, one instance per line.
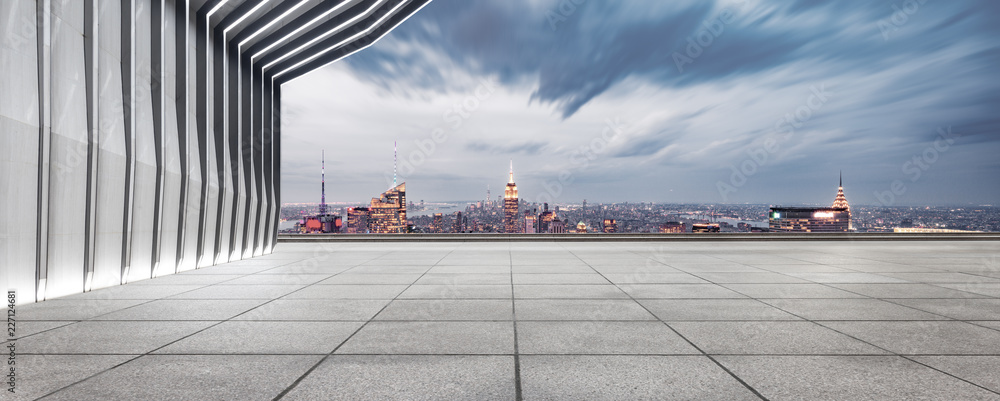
[459, 223]
[610, 226]
[437, 224]
[545, 218]
[581, 227]
[808, 219]
[357, 220]
[529, 223]
[388, 211]
[557, 226]
[510, 204]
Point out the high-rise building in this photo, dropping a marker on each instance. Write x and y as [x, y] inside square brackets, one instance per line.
[557, 226]
[388, 211]
[322, 185]
[836, 218]
[510, 216]
[357, 220]
[459, 223]
[437, 224]
[545, 218]
[610, 226]
[529, 222]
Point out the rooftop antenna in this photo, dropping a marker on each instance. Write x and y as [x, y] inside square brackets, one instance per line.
[841, 178]
[322, 202]
[394, 153]
[511, 171]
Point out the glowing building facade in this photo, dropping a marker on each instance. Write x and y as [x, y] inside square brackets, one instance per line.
[388, 211]
[510, 202]
[836, 218]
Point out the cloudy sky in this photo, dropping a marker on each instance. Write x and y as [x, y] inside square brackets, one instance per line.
[729, 101]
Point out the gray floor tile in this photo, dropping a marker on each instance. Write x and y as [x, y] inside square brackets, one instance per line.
[204, 377]
[108, 337]
[568, 278]
[38, 375]
[580, 309]
[939, 337]
[122, 292]
[573, 291]
[447, 309]
[457, 291]
[464, 278]
[653, 291]
[442, 338]
[790, 291]
[654, 278]
[284, 279]
[72, 309]
[189, 278]
[185, 309]
[596, 337]
[348, 291]
[713, 309]
[981, 370]
[235, 337]
[770, 338]
[962, 309]
[471, 269]
[749, 278]
[395, 377]
[850, 309]
[830, 278]
[26, 328]
[626, 377]
[348, 278]
[987, 289]
[316, 309]
[848, 378]
[908, 290]
[253, 291]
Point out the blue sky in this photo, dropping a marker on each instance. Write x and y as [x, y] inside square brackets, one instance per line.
[759, 101]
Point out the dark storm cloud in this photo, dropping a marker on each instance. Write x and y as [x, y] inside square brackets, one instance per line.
[897, 70]
[600, 43]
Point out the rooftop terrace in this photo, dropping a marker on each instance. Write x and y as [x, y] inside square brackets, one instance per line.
[535, 320]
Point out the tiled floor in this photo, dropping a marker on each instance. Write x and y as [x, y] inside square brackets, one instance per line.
[535, 320]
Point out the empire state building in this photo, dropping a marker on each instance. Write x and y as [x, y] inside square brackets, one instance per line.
[510, 201]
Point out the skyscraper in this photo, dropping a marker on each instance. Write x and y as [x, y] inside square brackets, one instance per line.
[388, 211]
[510, 203]
[836, 218]
[322, 190]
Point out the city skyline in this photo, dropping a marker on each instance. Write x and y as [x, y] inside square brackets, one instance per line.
[909, 104]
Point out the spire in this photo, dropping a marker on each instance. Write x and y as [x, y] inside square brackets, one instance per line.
[511, 181]
[322, 202]
[841, 201]
[394, 153]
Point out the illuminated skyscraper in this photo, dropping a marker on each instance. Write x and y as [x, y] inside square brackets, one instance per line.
[836, 218]
[388, 211]
[357, 220]
[510, 202]
[841, 201]
[529, 222]
[610, 226]
[322, 190]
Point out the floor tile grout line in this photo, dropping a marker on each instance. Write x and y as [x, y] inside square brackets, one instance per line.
[518, 389]
[692, 344]
[218, 322]
[309, 371]
[893, 353]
